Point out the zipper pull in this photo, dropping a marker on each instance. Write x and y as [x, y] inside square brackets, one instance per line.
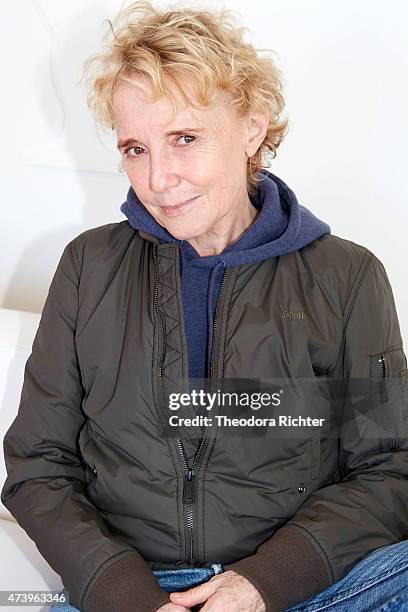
[188, 487]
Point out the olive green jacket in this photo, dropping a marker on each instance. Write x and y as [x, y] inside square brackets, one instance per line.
[104, 487]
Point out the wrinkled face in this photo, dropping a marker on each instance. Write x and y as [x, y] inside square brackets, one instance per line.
[199, 156]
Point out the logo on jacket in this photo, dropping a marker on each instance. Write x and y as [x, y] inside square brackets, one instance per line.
[286, 313]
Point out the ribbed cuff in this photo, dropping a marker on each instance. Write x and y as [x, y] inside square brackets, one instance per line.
[286, 569]
[126, 585]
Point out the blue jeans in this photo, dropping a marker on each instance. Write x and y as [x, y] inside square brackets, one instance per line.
[377, 583]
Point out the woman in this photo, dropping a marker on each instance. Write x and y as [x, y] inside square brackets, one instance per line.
[217, 280]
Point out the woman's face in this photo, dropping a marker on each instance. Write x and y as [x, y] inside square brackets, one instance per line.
[206, 160]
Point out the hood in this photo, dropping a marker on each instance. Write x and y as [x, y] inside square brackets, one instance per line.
[282, 226]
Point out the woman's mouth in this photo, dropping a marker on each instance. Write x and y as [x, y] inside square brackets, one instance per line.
[174, 211]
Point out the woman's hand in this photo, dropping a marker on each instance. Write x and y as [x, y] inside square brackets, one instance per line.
[227, 591]
[171, 607]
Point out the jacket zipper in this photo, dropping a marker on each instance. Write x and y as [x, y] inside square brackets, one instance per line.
[189, 492]
[189, 474]
[383, 374]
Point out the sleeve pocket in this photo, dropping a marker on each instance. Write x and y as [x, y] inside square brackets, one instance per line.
[388, 401]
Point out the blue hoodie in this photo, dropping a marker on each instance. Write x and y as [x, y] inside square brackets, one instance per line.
[282, 226]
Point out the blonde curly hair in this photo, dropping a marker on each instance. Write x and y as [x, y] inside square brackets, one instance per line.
[207, 48]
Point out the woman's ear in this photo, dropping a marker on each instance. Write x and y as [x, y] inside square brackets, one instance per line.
[256, 130]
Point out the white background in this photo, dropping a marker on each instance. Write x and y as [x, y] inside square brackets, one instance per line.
[345, 66]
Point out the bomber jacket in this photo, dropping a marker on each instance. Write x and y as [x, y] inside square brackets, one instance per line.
[98, 479]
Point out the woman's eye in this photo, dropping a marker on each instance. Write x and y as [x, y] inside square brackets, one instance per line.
[186, 136]
[131, 149]
[127, 152]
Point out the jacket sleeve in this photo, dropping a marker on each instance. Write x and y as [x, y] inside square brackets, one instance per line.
[45, 485]
[366, 507]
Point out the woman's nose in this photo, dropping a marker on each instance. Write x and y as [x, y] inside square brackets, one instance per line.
[163, 171]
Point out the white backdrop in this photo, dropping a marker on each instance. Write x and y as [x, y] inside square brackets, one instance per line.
[345, 67]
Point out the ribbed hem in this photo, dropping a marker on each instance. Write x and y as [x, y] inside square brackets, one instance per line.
[286, 569]
[127, 585]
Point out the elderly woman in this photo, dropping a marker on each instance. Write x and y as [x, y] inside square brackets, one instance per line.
[139, 486]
